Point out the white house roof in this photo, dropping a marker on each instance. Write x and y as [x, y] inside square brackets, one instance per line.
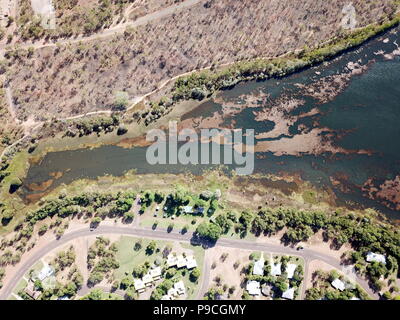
[46, 271]
[288, 294]
[259, 266]
[338, 284]
[172, 292]
[371, 256]
[181, 261]
[290, 268]
[188, 209]
[171, 260]
[354, 298]
[276, 269]
[191, 262]
[180, 287]
[253, 287]
[156, 272]
[166, 297]
[147, 278]
[138, 284]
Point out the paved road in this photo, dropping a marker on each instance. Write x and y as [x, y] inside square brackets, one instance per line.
[159, 234]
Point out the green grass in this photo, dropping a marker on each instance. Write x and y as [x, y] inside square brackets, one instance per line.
[36, 268]
[128, 257]
[192, 288]
[310, 197]
[20, 286]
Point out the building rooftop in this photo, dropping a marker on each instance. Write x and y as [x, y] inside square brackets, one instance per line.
[259, 266]
[46, 271]
[288, 294]
[155, 272]
[371, 256]
[172, 260]
[191, 262]
[181, 261]
[253, 287]
[338, 284]
[290, 268]
[147, 279]
[138, 284]
[276, 269]
[180, 287]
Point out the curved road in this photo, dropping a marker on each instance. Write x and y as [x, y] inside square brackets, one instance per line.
[307, 254]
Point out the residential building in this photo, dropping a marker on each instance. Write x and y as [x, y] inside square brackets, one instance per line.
[376, 257]
[276, 269]
[338, 284]
[258, 269]
[139, 285]
[147, 280]
[171, 260]
[253, 288]
[288, 294]
[180, 287]
[155, 273]
[191, 262]
[181, 261]
[290, 269]
[47, 271]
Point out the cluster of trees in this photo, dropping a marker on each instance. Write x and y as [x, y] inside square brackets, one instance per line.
[322, 288]
[101, 260]
[64, 259]
[91, 204]
[85, 127]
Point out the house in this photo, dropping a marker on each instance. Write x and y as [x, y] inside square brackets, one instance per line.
[63, 298]
[171, 260]
[338, 284]
[258, 269]
[148, 280]
[354, 298]
[376, 257]
[139, 285]
[180, 288]
[191, 262]
[290, 269]
[181, 261]
[155, 273]
[253, 287]
[172, 293]
[30, 291]
[166, 297]
[46, 272]
[288, 294]
[276, 269]
[188, 209]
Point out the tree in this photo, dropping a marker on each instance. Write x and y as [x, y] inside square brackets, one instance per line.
[151, 247]
[121, 100]
[195, 274]
[209, 231]
[15, 184]
[95, 294]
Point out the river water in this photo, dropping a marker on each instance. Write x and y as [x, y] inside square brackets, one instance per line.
[335, 125]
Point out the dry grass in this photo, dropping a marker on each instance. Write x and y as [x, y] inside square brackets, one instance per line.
[77, 78]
